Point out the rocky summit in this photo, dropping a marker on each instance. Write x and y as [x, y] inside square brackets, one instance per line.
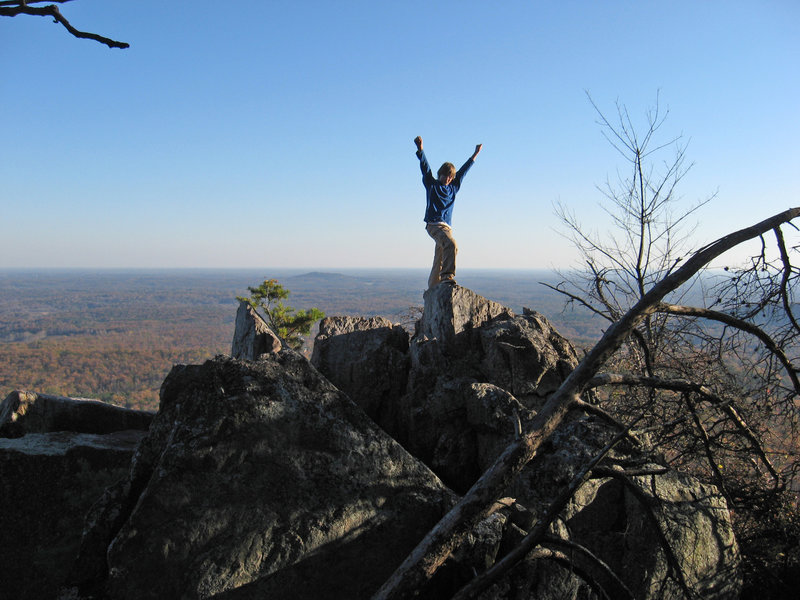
[476, 376]
[264, 475]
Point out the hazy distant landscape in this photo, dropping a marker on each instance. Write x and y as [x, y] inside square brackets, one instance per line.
[114, 335]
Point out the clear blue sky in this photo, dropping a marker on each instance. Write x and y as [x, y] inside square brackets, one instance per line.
[279, 134]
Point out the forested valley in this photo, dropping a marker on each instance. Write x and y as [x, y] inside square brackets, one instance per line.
[114, 335]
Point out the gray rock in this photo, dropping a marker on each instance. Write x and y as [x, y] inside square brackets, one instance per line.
[28, 412]
[252, 337]
[526, 356]
[367, 358]
[261, 479]
[451, 309]
[463, 342]
[49, 482]
[624, 519]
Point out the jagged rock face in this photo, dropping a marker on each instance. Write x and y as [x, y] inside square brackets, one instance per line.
[478, 374]
[367, 358]
[525, 356]
[262, 480]
[27, 412]
[252, 337]
[468, 351]
[48, 481]
[464, 342]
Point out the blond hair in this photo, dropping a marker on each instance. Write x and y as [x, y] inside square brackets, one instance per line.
[447, 168]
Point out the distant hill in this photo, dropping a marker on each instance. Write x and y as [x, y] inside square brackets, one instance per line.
[316, 276]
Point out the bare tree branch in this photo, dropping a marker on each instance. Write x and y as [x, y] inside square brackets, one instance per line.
[579, 560]
[740, 324]
[21, 7]
[705, 438]
[787, 273]
[684, 386]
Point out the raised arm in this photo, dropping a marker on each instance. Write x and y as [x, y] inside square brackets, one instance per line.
[427, 176]
[474, 154]
[466, 166]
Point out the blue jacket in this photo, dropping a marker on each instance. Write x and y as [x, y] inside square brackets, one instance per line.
[440, 198]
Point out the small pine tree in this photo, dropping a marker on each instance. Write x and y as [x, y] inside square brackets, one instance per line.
[288, 324]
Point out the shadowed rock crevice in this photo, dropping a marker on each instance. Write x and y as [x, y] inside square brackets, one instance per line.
[367, 358]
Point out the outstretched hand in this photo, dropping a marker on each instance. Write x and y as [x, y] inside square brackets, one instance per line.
[477, 151]
[418, 142]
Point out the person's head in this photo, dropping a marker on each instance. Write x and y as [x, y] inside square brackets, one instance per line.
[446, 174]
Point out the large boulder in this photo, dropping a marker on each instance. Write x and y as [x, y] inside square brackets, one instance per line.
[524, 355]
[259, 480]
[451, 310]
[28, 412]
[367, 358]
[665, 534]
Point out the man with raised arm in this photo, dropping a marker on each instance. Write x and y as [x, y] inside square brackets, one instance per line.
[441, 195]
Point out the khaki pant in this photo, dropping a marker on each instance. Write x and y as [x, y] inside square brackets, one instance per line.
[444, 257]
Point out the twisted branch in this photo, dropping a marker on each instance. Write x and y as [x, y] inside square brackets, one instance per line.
[12, 8]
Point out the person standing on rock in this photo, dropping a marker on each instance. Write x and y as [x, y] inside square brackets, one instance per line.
[441, 195]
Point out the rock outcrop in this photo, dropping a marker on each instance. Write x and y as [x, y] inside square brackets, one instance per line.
[28, 412]
[260, 480]
[453, 310]
[473, 371]
[252, 337]
[57, 456]
[477, 375]
[474, 375]
[367, 358]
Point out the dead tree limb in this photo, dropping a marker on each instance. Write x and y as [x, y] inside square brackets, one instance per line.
[579, 560]
[445, 536]
[9, 8]
[719, 481]
[567, 559]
